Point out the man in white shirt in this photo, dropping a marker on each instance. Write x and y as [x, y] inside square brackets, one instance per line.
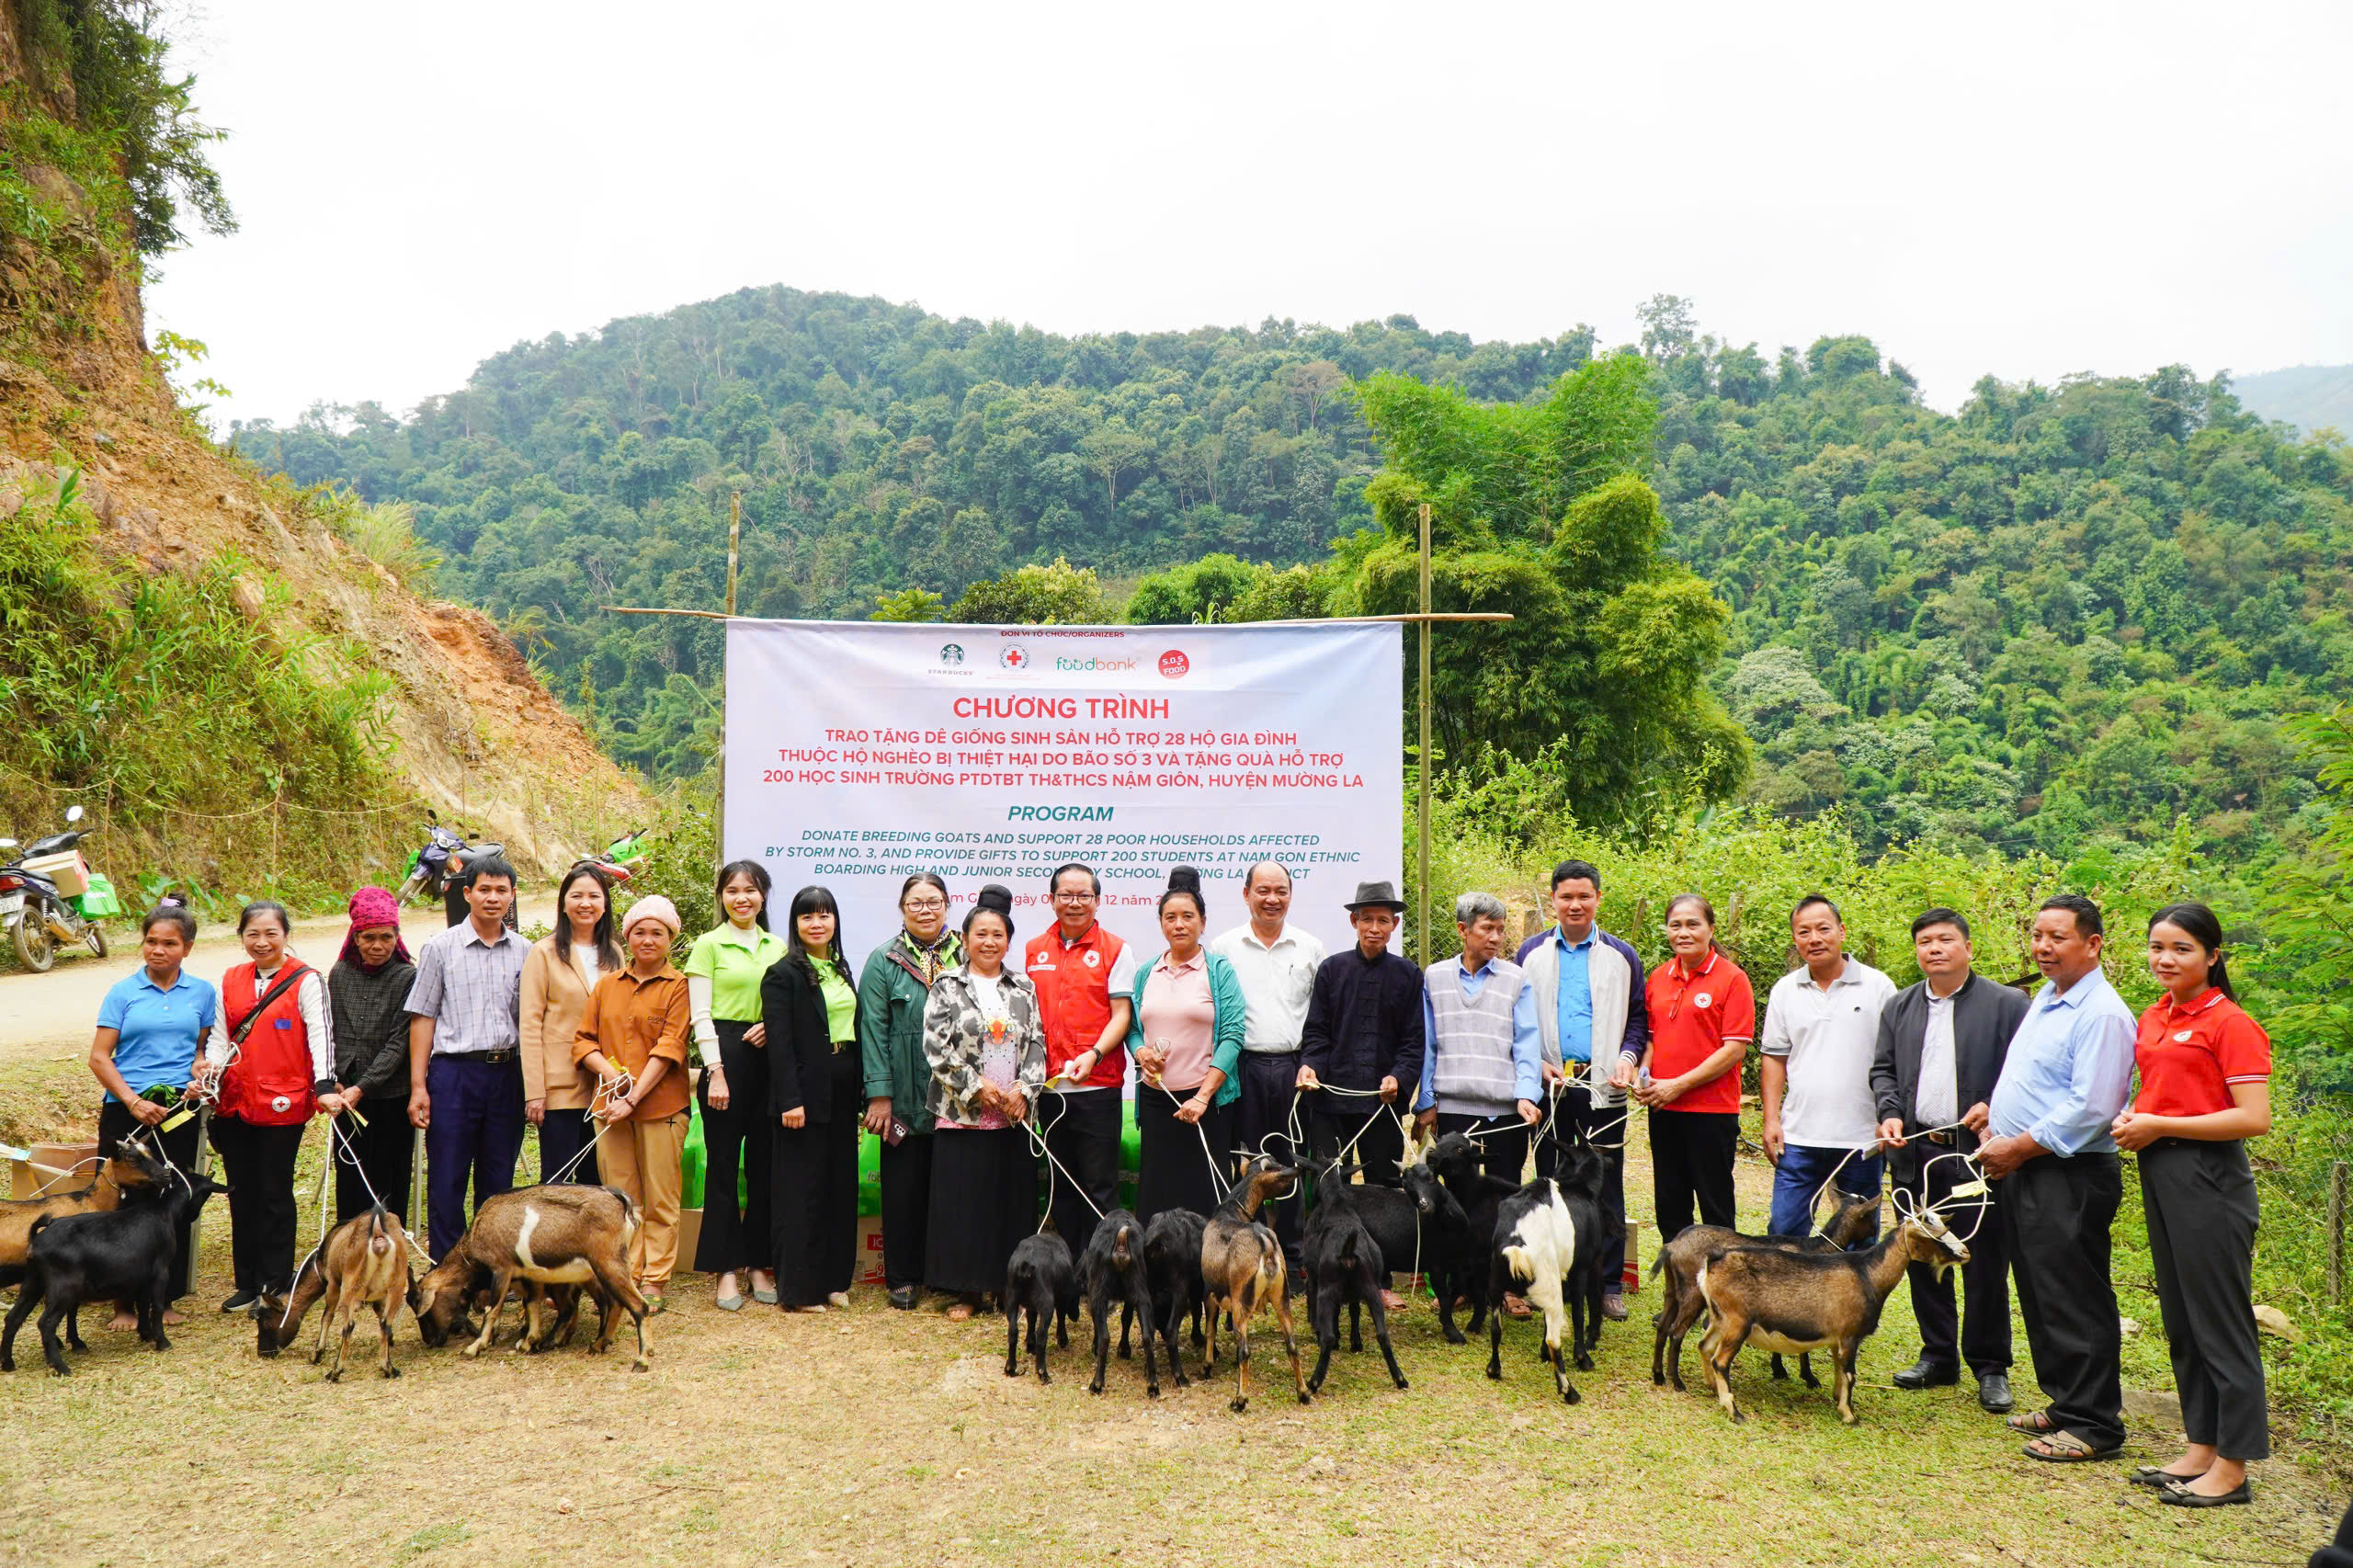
[1821, 1033]
[1276, 964]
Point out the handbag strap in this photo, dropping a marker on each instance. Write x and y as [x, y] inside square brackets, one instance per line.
[285, 983]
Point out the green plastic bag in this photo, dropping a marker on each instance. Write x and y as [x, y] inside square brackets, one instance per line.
[690, 1160]
[99, 902]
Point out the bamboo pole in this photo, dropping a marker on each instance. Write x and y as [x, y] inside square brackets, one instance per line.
[1422, 916]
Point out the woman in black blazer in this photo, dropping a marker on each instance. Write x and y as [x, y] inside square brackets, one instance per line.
[809, 1004]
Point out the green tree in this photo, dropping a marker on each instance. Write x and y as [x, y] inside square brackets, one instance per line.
[1059, 595]
[909, 604]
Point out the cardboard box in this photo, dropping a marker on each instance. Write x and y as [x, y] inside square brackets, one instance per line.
[689, 1237]
[26, 1179]
[869, 1250]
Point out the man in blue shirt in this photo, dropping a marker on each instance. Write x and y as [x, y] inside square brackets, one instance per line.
[1589, 1012]
[2063, 1083]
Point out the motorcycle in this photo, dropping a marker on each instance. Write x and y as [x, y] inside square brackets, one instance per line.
[619, 859]
[439, 861]
[49, 895]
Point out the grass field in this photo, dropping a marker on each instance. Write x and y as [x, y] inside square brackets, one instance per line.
[877, 1437]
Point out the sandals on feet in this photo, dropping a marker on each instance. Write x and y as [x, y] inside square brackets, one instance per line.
[2031, 1421]
[2064, 1447]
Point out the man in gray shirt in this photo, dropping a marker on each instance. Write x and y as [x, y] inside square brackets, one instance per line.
[465, 1074]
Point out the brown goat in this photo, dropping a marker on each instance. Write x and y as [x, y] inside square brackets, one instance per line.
[1679, 1262]
[1242, 1266]
[101, 1192]
[1794, 1301]
[363, 1261]
[561, 1235]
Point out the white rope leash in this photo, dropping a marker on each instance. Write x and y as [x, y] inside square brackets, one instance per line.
[1038, 1138]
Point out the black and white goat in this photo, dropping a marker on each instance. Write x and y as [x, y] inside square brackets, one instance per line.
[1535, 1250]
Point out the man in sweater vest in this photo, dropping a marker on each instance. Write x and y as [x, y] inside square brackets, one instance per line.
[1589, 1014]
[1482, 1071]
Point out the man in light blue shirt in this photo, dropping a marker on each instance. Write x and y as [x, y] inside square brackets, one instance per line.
[2066, 1079]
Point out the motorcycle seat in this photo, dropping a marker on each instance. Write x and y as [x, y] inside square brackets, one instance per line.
[52, 844]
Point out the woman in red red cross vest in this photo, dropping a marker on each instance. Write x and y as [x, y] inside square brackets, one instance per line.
[276, 1054]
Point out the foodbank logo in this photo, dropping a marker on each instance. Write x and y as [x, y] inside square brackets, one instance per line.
[953, 653]
[1014, 658]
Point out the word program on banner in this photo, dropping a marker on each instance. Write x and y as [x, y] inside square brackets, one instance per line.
[860, 751]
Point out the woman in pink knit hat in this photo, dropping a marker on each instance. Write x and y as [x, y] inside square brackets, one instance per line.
[366, 993]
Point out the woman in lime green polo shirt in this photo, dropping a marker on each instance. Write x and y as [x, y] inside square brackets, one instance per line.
[724, 972]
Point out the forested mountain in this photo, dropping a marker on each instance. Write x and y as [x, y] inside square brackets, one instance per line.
[2066, 614]
[2310, 397]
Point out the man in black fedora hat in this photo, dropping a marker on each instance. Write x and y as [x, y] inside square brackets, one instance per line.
[1364, 1036]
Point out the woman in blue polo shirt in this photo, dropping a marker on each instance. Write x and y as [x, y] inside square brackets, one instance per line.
[151, 1026]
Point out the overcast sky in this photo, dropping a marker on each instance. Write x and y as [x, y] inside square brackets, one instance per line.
[2030, 189]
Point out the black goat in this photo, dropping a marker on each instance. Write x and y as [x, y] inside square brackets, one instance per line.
[1041, 1280]
[1344, 1265]
[1172, 1262]
[1601, 1244]
[1458, 1263]
[1112, 1270]
[123, 1254]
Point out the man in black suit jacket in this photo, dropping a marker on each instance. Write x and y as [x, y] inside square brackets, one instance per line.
[1941, 1043]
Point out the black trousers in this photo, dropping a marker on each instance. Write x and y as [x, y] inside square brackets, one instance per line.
[562, 1134]
[906, 1209]
[1082, 1132]
[1261, 1121]
[259, 1165]
[1980, 1333]
[737, 1138]
[1691, 1155]
[115, 1124]
[1176, 1169]
[1603, 1126]
[2060, 1212]
[1334, 1119]
[2199, 1198]
[386, 1149]
[1503, 1141]
[814, 1174]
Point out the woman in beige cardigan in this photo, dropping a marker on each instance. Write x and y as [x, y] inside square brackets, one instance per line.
[560, 971]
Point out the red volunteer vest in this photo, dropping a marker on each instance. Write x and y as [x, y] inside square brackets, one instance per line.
[1074, 982]
[269, 1084]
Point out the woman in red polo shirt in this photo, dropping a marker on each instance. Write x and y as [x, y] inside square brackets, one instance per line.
[1702, 1017]
[2205, 1089]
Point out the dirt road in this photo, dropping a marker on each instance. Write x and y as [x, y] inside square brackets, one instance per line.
[41, 1013]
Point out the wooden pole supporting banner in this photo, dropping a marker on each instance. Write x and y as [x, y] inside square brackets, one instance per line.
[1422, 758]
[719, 796]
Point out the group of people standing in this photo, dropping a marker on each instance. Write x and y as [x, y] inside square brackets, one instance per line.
[982, 1068]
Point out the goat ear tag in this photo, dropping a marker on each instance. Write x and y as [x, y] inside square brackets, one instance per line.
[177, 1118]
[1973, 1189]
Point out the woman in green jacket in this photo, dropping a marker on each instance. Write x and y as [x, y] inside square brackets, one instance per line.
[1186, 1040]
[891, 992]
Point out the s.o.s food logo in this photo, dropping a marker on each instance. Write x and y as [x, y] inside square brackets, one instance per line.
[1174, 665]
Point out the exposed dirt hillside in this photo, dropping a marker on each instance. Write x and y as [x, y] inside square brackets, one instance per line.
[477, 736]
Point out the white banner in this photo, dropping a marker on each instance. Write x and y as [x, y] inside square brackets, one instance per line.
[858, 751]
